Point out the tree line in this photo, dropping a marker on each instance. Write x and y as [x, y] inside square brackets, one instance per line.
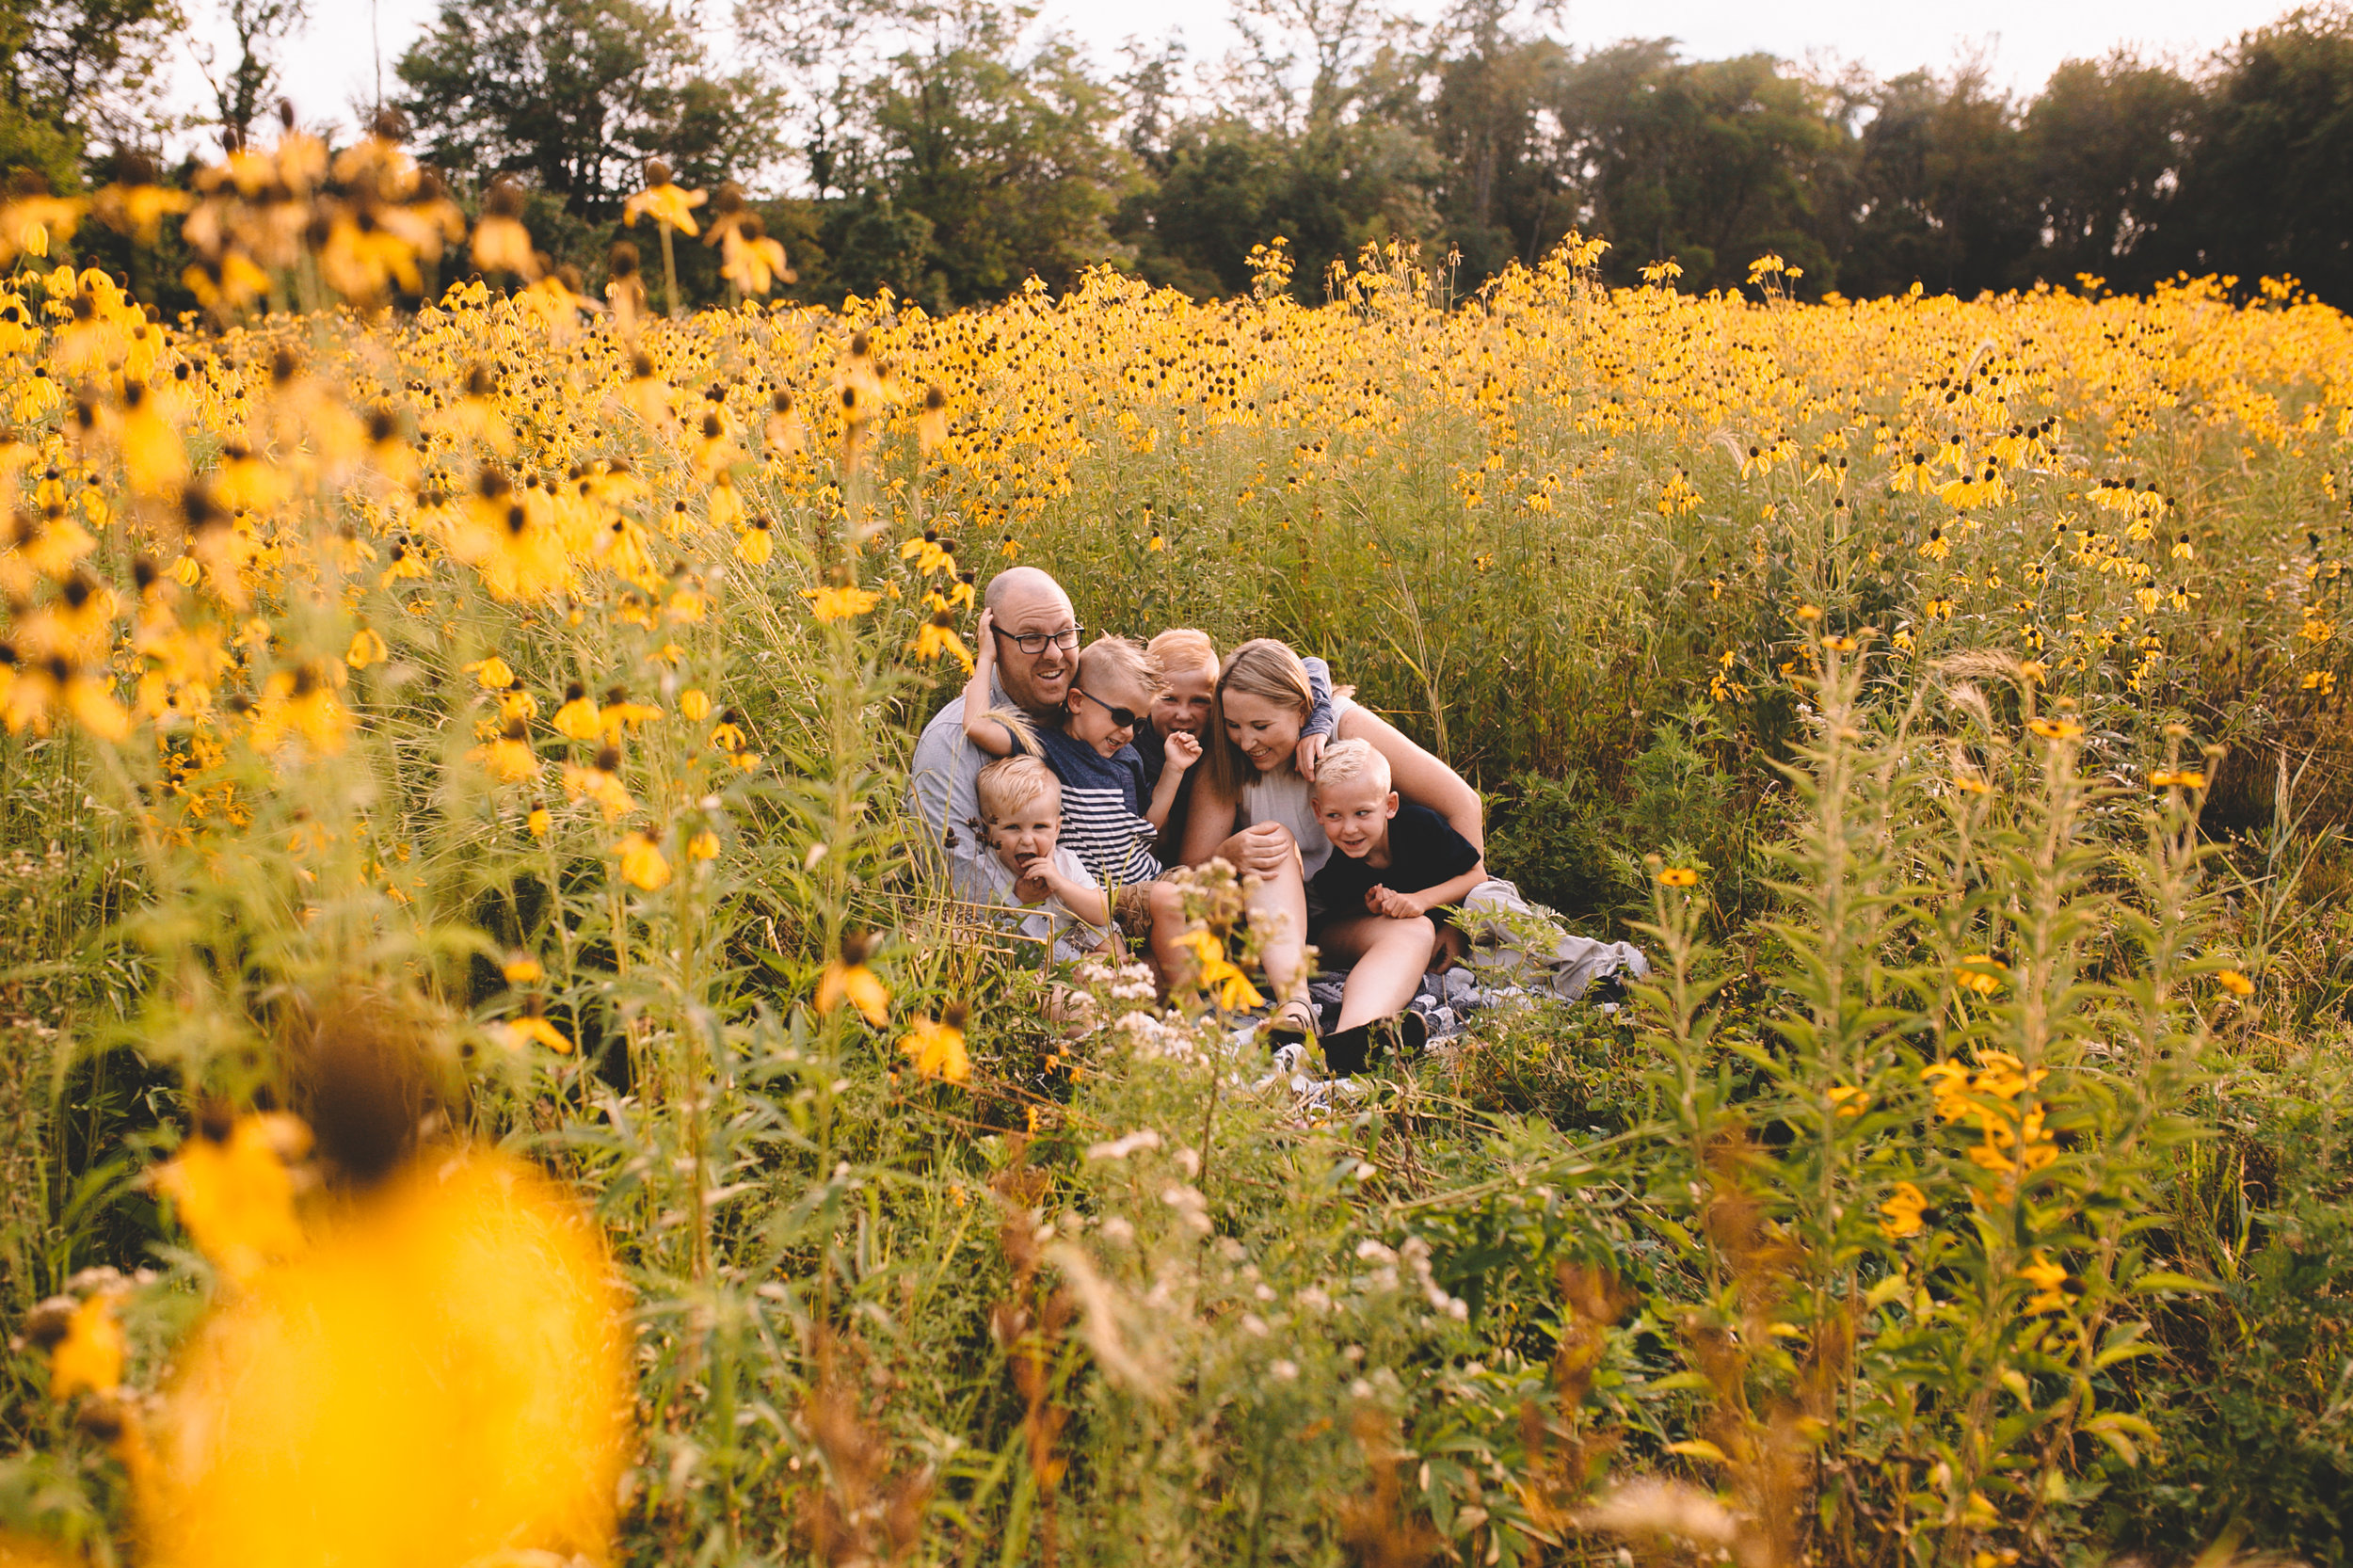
[951, 149]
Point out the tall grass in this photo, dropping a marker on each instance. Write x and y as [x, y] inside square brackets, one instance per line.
[1890, 1223]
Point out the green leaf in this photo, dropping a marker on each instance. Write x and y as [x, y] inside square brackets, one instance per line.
[2165, 1279]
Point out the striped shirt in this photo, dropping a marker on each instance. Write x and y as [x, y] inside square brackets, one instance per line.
[1100, 815]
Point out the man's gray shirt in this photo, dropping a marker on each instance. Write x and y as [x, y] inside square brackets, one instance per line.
[942, 780]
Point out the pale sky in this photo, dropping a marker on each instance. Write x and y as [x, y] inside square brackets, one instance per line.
[336, 59]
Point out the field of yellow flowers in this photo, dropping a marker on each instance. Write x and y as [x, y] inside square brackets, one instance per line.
[482, 1081]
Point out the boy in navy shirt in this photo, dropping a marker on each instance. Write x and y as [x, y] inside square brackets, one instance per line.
[1393, 858]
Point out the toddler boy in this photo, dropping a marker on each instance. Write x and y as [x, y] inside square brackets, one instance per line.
[1111, 815]
[1028, 867]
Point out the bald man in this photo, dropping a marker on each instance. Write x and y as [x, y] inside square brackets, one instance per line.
[1037, 653]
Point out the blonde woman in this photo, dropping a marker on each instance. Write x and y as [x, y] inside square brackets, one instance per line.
[1251, 803]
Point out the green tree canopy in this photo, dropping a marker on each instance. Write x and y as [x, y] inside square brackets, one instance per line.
[575, 95]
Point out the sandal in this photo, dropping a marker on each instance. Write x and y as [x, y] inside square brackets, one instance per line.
[1292, 1022]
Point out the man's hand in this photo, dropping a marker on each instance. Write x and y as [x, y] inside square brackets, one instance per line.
[1310, 752]
[1396, 907]
[1260, 851]
[1180, 750]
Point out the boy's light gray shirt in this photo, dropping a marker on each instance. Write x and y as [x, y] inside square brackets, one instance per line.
[985, 879]
[943, 778]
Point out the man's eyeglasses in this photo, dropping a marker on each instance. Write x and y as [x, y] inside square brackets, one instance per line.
[1121, 717]
[1034, 643]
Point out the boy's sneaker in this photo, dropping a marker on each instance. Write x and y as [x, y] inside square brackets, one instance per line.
[1348, 1051]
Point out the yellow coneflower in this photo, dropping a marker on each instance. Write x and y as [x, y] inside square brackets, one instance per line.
[135, 202]
[33, 691]
[783, 429]
[1981, 973]
[711, 449]
[442, 1378]
[301, 703]
[367, 647]
[931, 425]
[930, 552]
[2234, 983]
[937, 1049]
[703, 846]
[406, 564]
[521, 968]
[501, 243]
[1901, 1211]
[509, 759]
[848, 979]
[840, 604]
[86, 1346]
[531, 1028]
[1848, 1100]
[520, 555]
[619, 716]
[1680, 876]
[2179, 778]
[231, 1188]
[756, 544]
[1217, 976]
[601, 781]
[153, 458]
[664, 202]
[752, 260]
[77, 623]
[642, 862]
[492, 673]
[723, 507]
[937, 636]
[2048, 1278]
[577, 719]
[2055, 729]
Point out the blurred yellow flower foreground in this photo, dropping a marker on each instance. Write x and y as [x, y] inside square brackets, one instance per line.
[438, 1379]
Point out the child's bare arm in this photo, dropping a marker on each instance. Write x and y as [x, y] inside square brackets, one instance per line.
[987, 733]
[1182, 751]
[1082, 899]
[1404, 906]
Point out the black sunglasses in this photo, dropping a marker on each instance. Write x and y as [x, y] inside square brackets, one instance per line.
[1121, 717]
[1035, 642]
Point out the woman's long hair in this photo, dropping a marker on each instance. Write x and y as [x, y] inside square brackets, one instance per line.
[1263, 668]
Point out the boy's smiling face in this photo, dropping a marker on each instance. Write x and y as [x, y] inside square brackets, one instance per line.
[1091, 704]
[1354, 814]
[1182, 706]
[1025, 836]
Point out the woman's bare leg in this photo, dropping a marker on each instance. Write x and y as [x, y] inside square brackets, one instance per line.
[1277, 905]
[1278, 917]
[1391, 956]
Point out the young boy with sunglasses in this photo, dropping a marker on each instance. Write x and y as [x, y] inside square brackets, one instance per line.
[1110, 814]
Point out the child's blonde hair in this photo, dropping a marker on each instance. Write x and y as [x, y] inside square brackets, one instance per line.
[1119, 658]
[1345, 760]
[1010, 783]
[1181, 647]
